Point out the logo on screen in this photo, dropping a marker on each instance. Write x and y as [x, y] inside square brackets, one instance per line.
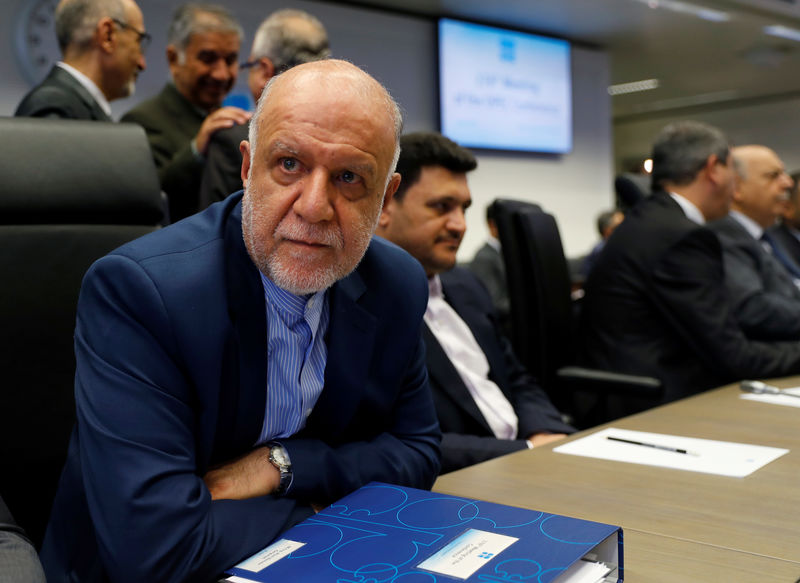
[508, 50]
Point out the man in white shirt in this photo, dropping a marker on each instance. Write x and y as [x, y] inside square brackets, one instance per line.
[487, 403]
[758, 271]
[102, 44]
[656, 302]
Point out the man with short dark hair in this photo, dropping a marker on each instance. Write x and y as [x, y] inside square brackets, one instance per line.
[489, 266]
[285, 39]
[656, 302]
[102, 45]
[761, 288]
[203, 57]
[254, 362]
[607, 221]
[487, 403]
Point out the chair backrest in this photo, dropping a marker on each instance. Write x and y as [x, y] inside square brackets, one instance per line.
[70, 192]
[539, 287]
[518, 281]
[553, 326]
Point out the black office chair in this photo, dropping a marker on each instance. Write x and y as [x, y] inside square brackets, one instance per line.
[70, 192]
[545, 319]
[630, 189]
[518, 283]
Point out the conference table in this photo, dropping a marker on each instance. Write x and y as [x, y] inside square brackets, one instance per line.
[678, 525]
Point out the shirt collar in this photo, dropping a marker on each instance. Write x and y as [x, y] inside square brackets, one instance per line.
[749, 224]
[689, 209]
[89, 85]
[435, 287]
[292, 308]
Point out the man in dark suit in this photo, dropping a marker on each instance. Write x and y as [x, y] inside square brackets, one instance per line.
[487, 403]
[656, 302]
[787, 232]
[762, 291]
[236, 370]
[202, 53]
[285, 39]
[490, 268]
[102, 46]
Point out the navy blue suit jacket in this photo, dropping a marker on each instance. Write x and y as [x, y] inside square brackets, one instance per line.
[467, 437]
[171, 380]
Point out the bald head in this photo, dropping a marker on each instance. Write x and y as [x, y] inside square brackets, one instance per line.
[328, 86]
[762, 184]
[317, 171]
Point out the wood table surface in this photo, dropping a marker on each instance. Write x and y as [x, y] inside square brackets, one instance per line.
[755, 518]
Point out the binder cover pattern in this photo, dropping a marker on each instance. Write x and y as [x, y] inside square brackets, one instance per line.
[382, 533]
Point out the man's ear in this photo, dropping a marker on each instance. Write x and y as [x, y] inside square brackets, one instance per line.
[172, 55]
[105, 35]
[389, 201]
[267, 68]
[244, 148]
[391, 188]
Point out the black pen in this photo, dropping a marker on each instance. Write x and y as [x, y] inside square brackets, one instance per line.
[653, 445]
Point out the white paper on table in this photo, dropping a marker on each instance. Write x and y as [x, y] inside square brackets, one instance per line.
[776, 399]
[704, 455]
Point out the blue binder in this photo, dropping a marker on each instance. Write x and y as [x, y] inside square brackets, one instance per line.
[390, 534]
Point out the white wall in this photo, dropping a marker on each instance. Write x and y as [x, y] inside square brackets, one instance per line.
[400, 51]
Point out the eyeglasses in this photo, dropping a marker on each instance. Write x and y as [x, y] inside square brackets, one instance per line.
[144, 38]
[249, 64]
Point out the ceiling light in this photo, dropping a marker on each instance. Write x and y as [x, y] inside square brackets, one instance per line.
[782, 32]
[688, 8]
[633, 87]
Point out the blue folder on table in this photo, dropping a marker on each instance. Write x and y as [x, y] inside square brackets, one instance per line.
[390, 534]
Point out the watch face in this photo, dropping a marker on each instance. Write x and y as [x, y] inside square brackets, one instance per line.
[35, 43]
[278, 455]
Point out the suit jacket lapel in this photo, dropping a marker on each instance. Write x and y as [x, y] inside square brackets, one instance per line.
[444, 375]
[461, 301]
[64, 78]
[351, 331]
[242, 414]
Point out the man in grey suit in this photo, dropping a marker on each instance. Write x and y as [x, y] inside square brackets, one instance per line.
[102, 44]
[764, 297]
[787, 231]
[18, 560]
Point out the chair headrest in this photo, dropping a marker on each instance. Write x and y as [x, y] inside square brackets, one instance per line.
[76, 172]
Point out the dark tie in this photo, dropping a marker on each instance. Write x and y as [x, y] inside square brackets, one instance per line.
[781, 255]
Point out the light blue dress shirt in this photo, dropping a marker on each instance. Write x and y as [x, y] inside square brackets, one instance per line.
[296, 356]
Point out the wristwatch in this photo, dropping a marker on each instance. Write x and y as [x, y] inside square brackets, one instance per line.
[279, 457]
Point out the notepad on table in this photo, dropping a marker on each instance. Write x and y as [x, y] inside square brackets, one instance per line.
[657, 449]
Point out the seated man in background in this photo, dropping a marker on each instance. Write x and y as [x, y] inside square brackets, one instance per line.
[607, 221]
[237, 370]
[656, 302]
[488, 405]
[102, 46]
[285, 39]
[787, 232]
[762, 293]
[489, 266]
[202, 52]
